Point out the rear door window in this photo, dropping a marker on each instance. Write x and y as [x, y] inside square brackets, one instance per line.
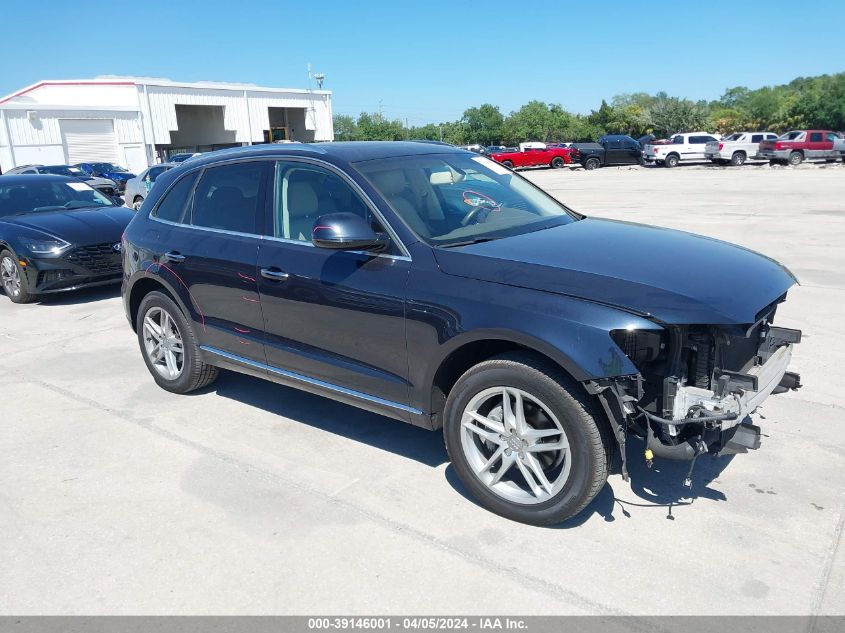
[756, 138]
[816, 137]
[228, 197]
[172, 206]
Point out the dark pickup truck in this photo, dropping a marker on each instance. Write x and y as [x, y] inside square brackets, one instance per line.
[613, 149]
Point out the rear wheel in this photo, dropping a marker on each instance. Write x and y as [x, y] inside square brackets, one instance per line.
[525, 439]
[592, 163]
[671, 160]
[137, 202]
[12, 279]
[507, 164]
[738, 158]
[169, 346]
[795, 158]
[557, 162]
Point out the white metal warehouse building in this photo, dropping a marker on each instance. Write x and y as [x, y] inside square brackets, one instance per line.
[135, 122]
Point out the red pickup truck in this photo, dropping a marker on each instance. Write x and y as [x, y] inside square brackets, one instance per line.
[534, 157]
[798, 145]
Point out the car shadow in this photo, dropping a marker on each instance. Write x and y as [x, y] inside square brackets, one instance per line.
[412, 442]
[81, 296]
[659, 488]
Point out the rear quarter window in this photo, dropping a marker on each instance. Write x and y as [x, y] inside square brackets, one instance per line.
[175, 201]
[756, 138]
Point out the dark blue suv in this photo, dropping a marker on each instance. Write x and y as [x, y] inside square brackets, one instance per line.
[435, 286]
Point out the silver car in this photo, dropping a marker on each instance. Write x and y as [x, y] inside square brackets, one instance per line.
[138, 187]
[103, 185]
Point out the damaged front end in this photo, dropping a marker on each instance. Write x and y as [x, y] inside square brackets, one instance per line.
[698, 385]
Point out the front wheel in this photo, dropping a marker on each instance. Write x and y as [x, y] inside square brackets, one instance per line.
[592, 163]
[169, 346]
[526, 440]
[12, 279]
[137, 202]
[507, 164]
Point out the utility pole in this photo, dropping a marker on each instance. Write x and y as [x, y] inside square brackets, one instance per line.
[380, 109]
[407, 129]
[441, 132]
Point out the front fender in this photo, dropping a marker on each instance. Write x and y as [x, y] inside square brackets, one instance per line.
[445, 313]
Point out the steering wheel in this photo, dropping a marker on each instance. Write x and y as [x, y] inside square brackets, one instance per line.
[480, 202]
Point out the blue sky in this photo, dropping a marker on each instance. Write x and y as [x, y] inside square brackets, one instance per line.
[428, 61]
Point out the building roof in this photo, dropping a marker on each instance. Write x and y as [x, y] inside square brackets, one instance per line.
[154, 81]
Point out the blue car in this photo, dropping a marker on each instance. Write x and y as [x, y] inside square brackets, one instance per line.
[107, 170]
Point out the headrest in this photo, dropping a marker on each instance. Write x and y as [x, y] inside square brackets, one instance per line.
[223, 197]
[391, 182]
[302, 199]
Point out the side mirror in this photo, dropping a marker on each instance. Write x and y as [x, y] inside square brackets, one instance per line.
[346, 231]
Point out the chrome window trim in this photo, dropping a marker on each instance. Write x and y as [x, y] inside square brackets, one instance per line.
[310, 381]
[406, 256]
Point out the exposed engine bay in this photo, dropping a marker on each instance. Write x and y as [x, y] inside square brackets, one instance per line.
[698, 385]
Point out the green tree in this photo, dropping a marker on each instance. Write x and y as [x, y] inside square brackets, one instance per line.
[483, 124]
[670, 115]
[345, 128]
[375, 127]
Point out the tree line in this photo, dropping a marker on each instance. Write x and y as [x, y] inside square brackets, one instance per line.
[805, 102]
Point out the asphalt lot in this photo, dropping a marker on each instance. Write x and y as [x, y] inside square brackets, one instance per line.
[119, 498]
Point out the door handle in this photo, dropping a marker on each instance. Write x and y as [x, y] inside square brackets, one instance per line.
[274, 274]
[174, 256]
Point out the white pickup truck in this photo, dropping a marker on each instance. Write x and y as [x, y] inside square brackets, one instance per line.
[687, 147]
[737, 148]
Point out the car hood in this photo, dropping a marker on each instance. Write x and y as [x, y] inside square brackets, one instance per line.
[671, 276]
[79, 226]
[97, 180]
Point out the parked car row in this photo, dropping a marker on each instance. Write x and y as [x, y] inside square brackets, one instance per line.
[620, 149]
[103, 185]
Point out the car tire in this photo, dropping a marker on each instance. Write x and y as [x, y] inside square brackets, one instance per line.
[552, 402]
[507, 164]
[671, 161]
[738, 158]
[137, 202]
[592, 163]
[795, 158]
[184, 374]
[13, 279]
[557, 162]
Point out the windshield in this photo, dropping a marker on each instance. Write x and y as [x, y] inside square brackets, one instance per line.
[107, 167]
[451, 199]
[44, 195]
[58, 170]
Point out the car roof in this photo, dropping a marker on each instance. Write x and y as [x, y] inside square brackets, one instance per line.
[345, 151]
[22, 179]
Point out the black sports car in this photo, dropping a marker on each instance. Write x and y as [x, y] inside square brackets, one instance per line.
[57, 234]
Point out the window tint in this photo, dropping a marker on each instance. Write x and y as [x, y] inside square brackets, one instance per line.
[155, 172]
[756, 138]
[172, 206]
[831, 137]
[678, 140]
[815, 137]
[305, 192]
[771, 137]
[227, 197]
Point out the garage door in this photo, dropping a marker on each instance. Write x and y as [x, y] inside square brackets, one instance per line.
[89, 140]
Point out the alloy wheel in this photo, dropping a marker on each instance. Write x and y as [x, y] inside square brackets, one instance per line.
[10, 276]
[515, 445]
[163, 343]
